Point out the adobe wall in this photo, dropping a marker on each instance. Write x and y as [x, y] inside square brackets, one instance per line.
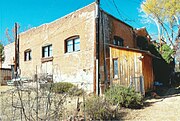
[75, 67]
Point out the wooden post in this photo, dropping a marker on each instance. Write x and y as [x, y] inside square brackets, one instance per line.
[15, 59]
[0, 62]
[98, 43]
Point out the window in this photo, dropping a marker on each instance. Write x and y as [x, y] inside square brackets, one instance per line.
[27, 55]
[115, 68]
[72, 44]
[118, 41]
[47, 51]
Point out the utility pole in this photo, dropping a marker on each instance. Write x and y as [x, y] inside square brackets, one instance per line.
[98, 43]
[16, 49]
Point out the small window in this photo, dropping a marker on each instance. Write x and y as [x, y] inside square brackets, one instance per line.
[115, 68]
[72, 44]
[27, 55]
[118, 41]
[47, 51]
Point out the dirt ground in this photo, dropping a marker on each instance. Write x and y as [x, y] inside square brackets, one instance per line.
[29, 104]
[166, 108]
[5, 88]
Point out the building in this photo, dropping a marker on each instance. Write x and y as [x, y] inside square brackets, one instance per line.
[9, 52]
[69, 50]
[6, 69]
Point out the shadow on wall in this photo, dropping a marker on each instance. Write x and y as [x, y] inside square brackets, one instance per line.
[162, 70]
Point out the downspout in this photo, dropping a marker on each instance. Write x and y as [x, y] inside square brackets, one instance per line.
[104, 51]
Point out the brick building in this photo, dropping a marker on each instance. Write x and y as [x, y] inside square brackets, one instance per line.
[68, 49]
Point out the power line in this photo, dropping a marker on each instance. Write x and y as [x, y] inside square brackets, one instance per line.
[126, 17]
[108, 5]
[117, 9]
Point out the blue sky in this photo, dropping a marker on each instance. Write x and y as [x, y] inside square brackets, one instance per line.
[32, 13]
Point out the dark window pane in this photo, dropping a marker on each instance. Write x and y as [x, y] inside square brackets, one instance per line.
[115, 42]
[50, 51]
[77, 44]
[118, 41]
[70, 46]
[30, 57]
[115, 64]
[27, 55]
[47, 51]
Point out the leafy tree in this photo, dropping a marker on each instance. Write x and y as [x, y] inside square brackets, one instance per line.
[1, 52]
[167, 53]
[165, 14]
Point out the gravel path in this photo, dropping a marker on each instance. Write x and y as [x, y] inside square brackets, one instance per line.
[165, 109]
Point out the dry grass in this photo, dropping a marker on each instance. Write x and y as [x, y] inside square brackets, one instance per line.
[64, 107]
[5, 88]
[164, 109]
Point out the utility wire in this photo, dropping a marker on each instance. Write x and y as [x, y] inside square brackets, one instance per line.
[126, 18]
[105, 1]
[117, 9]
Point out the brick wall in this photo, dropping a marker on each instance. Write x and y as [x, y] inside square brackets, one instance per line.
[75, 67]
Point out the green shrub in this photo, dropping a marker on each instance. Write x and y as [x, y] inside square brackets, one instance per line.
[97, 108]
[61, 87]
[126, 97]
[66, 87]
[75, 91]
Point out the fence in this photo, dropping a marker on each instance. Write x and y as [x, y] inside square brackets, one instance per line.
[30, 102]
[5, 74]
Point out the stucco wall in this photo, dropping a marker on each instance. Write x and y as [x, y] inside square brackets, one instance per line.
[9, 52]
[76, 67]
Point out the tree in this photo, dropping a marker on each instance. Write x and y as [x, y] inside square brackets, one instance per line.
[10, 35]
[1, 52]
[165, 14]
[167, 53]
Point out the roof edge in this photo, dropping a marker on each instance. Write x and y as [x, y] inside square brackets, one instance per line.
[116, 18]
[134, 49]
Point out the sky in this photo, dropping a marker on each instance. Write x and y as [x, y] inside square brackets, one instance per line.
[32, 13]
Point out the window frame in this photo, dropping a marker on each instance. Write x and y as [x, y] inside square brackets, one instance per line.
[72, 46]
[49, 51]
[29, 53]
[115, 76]
[117, 40]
